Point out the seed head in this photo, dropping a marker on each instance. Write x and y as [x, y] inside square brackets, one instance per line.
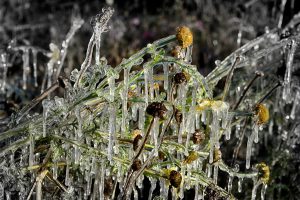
[184, 36]
[262, 113]
[136, 165]
[108, 186]
[156, 109]
[191, 157]
[180, 78]
[198, 137]
[175, 178]
[217, 155]
[263, 172]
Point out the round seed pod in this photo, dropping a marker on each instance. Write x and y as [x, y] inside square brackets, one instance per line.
[178, 116]
[175, 178]
[136, 141]
[136, 165]
[262, 113]
[198, 137]
[184, 36]
[180, 78]
[263, 172]
[156, 109]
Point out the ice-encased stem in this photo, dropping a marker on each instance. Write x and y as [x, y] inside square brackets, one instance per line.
[230, 180]
[263, 191]
[254, 189]
[166, 76]
[240, 182]
[125, 100]
[288, 72]
[111, 85]
[26, 69]
[155, 132]
[111, 131]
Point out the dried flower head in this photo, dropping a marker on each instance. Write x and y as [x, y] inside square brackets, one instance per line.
[191, 157]
[156, 109]
[198, 137]
[136, 165]
[263, 172]
[262, 113]
[184, 36]
[175, 178]
[180, 78]
[136, 141]
[217, 155]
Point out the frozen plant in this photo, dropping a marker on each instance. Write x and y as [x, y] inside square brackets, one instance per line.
[153, 116]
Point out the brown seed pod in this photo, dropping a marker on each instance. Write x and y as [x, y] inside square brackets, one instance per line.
[136, 141]
[176, 52]
[263, 172]
[180, 78]
[178, 116]
[156, 109]
[136, 165]
[198, 137]
[175, 178]
[184, 36]
[217, 155]
[262, 113]
[108, 186]
[161, 155]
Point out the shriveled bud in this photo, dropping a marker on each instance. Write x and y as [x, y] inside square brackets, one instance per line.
[136, 165]
[175, 178]
[262, 113]
[156, 109]
[176, 52]
[178, 116]
[198, 137]
[161, 155]
[263, 172]
[184, 36]
[136, 141]
[217, 155]
[180, 78]
[191, 157]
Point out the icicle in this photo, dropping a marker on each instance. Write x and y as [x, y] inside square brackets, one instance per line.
[55, 170]
[135, 194]
[166, 76]
[141, 121]
[240, 182]
[196, 192]
[209, 169]
[46, 108]
[255, 129]
[79, 120]
[67, 176]
[286, 93]
[248, 151]
[111, 85]
[101, 185]
[163, 189]
[125, 100]
[4, 66]
[111, 131]
[1, 190]
[34, 53]
[294, 108]
[155, 133]
[188, 55]
[26, 69]
[263, 191]
[203, 117]
[77, 154]
[146, 75]
[152, 187]
[215, 177]
[230, 180]
[134, 110]
[151, 83]
[254, 189]
[31, 150]
[214, 134]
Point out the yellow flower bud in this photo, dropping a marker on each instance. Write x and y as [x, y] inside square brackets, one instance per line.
[262, 113]
[184, 36]
[263, 172]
